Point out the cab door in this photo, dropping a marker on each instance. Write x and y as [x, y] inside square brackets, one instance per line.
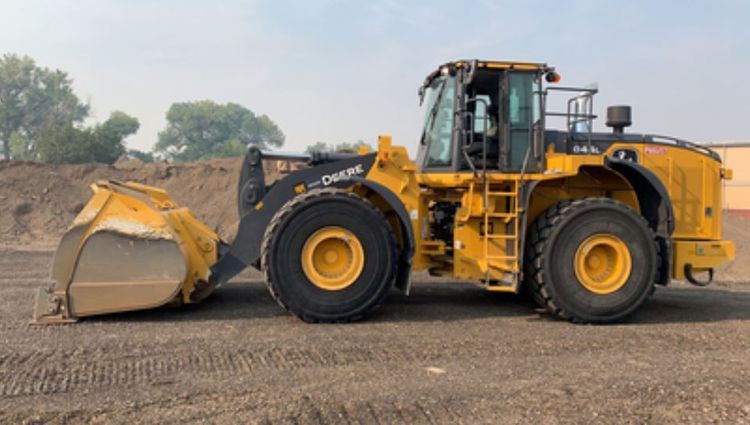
[523, 123]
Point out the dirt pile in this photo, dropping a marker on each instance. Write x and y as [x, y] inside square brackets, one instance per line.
[737, 230]
[38, 202]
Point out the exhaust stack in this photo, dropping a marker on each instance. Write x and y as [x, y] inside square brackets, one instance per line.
[619, 117]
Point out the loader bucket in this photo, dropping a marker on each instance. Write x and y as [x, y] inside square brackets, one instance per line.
[130, 248]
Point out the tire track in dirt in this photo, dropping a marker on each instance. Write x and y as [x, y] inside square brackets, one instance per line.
[28, 278]
[21, 269]
[48, 373]
[379, 411]
[8, 256]
[237, 359]
[62, 369]
[233, 407]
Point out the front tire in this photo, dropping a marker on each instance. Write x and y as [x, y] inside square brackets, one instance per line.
[329, 256]
[591, 260]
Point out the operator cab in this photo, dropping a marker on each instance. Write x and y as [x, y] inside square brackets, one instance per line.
[484, 116]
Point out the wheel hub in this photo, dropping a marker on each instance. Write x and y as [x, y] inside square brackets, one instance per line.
[603, 263]
[332, 258]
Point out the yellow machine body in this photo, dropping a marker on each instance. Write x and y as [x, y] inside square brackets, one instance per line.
[132, 247]
[690, 177]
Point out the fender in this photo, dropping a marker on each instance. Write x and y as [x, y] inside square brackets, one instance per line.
[257, 212]
[656, 205]
[656, 208]
[406, 254]
[245, 249]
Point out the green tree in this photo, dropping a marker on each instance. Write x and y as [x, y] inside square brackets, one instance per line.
[204, 129]
[318, 147]
[66, 145]
[121, 124]
[101, 143]
[20, 148]
[347, 147]
[344, 147]
[16, 75]
[33, 101]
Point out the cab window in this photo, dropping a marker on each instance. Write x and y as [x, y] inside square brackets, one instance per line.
[524, 112]
[439, 122]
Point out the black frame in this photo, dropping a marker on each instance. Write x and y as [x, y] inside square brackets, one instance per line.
[463, 78]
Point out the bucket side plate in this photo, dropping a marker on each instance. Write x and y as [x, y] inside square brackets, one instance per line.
[120, 254]
[117, 272]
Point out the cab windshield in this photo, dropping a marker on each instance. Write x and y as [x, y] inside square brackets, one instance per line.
[438, 123]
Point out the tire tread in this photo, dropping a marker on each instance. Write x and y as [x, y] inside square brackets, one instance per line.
[272, 232]
[539, 236]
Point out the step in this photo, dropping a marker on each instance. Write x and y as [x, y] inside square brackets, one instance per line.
[502, 215]
[506, 267]
[502, 257]
[505, 236]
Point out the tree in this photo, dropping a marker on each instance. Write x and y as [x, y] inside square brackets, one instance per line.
[347, 147]
[318, 147]
[101, 143]
[33, 101]
[20, 147]
[344, 147]
[16, 76]
[66, 145]
[204, 129]
[121, 124]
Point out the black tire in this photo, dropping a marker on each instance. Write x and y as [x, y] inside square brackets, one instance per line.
[282, 248]
[551, 245]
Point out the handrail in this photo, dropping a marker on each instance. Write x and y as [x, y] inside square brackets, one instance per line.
[727, 144]
[574, 116]
[683, 143]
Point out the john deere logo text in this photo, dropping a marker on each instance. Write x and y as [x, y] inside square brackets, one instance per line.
[328, 179]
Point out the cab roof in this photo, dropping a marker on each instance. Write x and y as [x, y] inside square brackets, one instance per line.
[484, 64]
[501, 64]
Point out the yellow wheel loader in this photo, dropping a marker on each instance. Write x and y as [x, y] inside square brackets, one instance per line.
[587, 223]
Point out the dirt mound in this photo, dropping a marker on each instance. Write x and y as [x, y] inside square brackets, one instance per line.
[128, 162]
[38, 202]
[737, 230]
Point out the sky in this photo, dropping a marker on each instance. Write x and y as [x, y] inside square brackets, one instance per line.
[341, 71]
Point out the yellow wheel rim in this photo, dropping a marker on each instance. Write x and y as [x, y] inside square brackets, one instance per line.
[332, 258]
[603, 263]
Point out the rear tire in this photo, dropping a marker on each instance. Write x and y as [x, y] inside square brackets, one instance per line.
[304, 231]
[563, 278]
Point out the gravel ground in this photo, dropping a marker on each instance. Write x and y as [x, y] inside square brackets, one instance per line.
[449, 353]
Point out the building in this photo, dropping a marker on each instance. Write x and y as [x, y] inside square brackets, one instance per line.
[736, 156]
